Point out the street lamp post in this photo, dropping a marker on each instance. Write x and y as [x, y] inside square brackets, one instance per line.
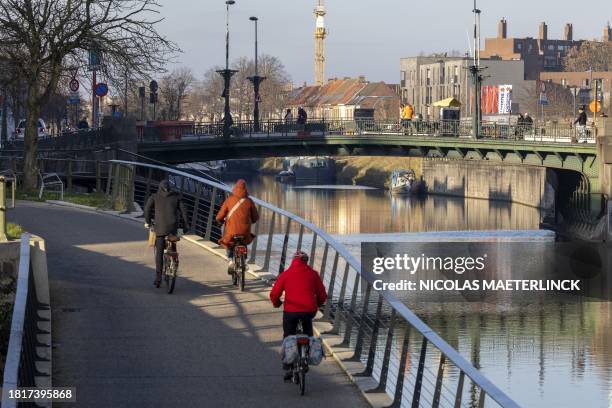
[256, 80]
[227, 74]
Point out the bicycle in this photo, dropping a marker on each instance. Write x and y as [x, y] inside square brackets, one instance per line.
[170, 263]
[240, 254]
[300, 365]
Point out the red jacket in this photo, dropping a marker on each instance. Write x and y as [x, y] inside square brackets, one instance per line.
[304, 291]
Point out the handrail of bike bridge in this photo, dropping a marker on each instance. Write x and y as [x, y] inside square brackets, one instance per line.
[354, 319]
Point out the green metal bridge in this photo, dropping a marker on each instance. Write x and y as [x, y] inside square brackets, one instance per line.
[577, 157]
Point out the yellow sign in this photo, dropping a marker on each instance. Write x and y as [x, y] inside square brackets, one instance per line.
[595, 106]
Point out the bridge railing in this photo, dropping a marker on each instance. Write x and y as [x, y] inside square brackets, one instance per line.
[406, 358]
[536, 132]
[23, 360]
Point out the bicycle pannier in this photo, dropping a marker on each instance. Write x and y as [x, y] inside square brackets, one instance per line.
[289, 350]
[316, 351]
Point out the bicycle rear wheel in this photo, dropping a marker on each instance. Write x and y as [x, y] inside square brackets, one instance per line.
[302, 380]
[242, 272]
[171, 278]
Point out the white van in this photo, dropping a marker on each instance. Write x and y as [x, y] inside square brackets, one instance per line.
[42, 130]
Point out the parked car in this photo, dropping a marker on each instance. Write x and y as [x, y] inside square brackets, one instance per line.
[42, 130]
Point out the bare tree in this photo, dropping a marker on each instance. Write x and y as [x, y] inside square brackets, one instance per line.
[595, 55]
[47, 37]
[173, 91]
[560, 101]
[205, 101]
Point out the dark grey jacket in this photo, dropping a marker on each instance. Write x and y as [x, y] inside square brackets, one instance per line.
[167, 205]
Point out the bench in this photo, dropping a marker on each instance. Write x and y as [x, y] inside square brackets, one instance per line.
[50, 181]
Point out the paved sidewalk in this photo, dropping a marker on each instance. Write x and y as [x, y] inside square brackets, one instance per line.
[123, 343]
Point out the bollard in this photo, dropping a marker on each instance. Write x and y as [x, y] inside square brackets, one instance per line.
[3, 236]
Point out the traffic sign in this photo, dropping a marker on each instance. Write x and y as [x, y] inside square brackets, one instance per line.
[543, 99]
[74, 98]
[73, 85]
[153, 86]
[595, 106]
[542, 86]
[101, 89]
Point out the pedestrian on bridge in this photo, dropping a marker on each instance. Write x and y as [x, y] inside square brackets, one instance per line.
[238, 212]
[302, 116]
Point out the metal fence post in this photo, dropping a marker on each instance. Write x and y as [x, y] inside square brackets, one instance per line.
[330, 290]
[109, 179]
[196, 207]
[3, 236]
[374, 339]
[360, 331]
[211, 214]
[340, 305]
[438, 390]
[266, 264]
[384, 371]
[255, 240]
[300, 236]
[459, 394]
[418, 383]
[324, 261]
[313, 249]
[348, 331]
[399, 384]
[281, 264]
[69, 177]
[98, 176]
[131, 179]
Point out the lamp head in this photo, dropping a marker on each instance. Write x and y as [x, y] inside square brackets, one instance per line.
[253, 18]
[230, 2]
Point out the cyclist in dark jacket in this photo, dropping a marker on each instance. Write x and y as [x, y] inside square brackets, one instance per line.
[168, 208]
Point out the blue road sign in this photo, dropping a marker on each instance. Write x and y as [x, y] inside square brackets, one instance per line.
[101, 89]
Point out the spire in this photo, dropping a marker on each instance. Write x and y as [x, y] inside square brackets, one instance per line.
[320, 34]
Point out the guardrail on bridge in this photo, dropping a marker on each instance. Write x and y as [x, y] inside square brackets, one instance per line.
[386, 336]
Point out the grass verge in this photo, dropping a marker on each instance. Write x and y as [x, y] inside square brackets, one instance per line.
[97, 200]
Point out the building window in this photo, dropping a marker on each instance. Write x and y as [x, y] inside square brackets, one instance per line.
[564, 82]
[519, 46]
[403, 79]
[551, 47]
[585, 83]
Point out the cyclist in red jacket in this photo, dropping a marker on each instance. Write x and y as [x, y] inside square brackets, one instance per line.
[304, 294]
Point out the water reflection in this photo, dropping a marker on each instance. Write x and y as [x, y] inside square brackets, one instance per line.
[557, 354]
[374, 211]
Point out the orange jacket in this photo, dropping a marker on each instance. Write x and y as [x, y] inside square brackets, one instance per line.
[241, 220]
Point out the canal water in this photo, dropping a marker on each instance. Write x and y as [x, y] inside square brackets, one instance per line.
[542, 355]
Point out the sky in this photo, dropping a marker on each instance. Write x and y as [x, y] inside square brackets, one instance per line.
[364, 37]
